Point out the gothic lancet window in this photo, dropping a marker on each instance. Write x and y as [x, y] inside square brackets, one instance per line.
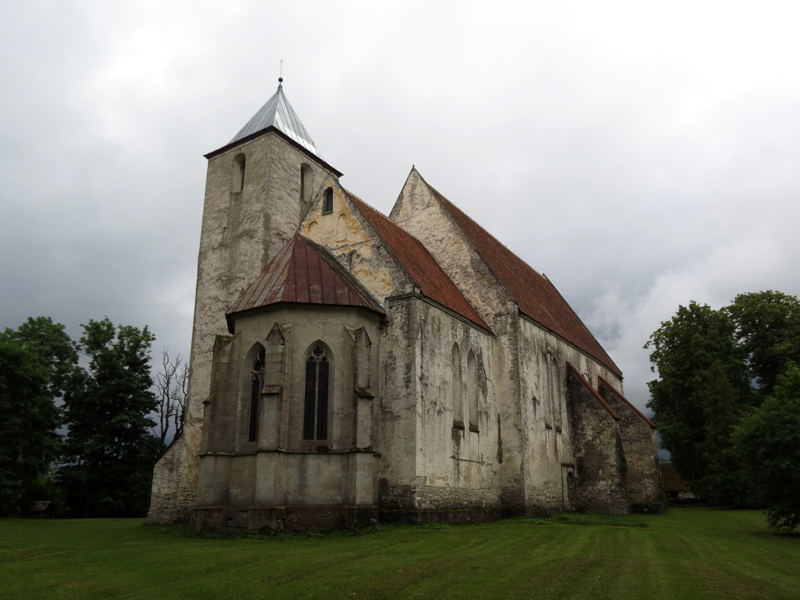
[315, 415]
[327, 202]
[256, 383]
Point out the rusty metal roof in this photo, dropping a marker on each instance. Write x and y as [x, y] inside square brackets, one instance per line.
[419, 264]
[278, 113]
[304, 272]
[535, 296]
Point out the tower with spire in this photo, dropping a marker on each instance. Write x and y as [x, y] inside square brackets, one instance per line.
[258, 188]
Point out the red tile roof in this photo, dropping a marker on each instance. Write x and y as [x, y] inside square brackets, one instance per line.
[421, 267]
[625, 400]
[307, 273]
[597, 396]
[536, 297]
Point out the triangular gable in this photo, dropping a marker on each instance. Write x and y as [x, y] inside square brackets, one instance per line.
[536, 297]
[304, 272]
[419, 264]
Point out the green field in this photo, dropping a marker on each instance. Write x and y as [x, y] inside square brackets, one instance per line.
[687, 553]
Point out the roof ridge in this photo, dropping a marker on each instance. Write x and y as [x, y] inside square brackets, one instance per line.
[442, 197]
[534, 293]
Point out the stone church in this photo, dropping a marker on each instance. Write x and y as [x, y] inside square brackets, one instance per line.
[349, 367]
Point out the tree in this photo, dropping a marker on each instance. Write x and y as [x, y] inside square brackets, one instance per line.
[109, 450]
[684, 349]
[28, 423]
[767, 441]
[36, 361]
[52, 344]
[171, 382]
[768, 328]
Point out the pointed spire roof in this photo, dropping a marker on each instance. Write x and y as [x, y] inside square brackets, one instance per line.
[304, 272]
[278, 113]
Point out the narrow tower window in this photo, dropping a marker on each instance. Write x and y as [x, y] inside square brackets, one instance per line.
[306, 183]
[237, 177]
[327, 202]
[256, 384]
[315, 415]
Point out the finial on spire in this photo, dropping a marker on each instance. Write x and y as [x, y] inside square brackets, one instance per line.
[280, 74]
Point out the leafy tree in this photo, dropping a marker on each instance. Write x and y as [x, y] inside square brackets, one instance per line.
[36, 361]
[721, 479]
[768, 327]
[684, 350]
[767, 440]
[28, 422]
[54, 347]
[109, 450]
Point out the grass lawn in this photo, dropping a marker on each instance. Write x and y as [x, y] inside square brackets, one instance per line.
[687, 553]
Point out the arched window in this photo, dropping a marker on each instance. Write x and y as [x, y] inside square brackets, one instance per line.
[237, 176]
[472, 391]
[315, 414]
[327, 202]
[458, 409]
[256, 385]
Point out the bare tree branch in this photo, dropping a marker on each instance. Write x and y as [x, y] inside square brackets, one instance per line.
[170, 389]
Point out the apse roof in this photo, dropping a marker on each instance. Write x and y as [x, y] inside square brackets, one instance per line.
[304, 272]
[423, 269]
[278, 113]
[535, 296]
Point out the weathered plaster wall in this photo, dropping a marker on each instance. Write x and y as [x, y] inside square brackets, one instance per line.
[241, 231]
[641, 449]
[419, 213]
[548, 434]
[600, 465]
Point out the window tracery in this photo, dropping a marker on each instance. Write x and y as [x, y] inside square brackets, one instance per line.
[315, 414]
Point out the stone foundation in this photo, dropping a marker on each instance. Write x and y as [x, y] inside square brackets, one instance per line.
[263, 519]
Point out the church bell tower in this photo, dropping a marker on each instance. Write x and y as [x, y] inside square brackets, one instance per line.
[258, 188]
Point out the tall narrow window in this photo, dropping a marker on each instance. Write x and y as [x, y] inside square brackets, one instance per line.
[237, 176]
[256, 384]
[306, 182]
[327, 202]
[315, 415]
[472, 391]
[458, 401]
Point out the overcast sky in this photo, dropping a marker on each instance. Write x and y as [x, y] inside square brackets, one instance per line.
[640, 154]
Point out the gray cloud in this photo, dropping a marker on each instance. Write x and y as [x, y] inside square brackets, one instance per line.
[641, 156]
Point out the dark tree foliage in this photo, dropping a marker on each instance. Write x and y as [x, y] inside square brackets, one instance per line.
[37, 360]
[684, 350]
[713, 367]
[768, 327]
[109, 450]
[767, 440]
[28, 423]
[721, 480]
[54, 347]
